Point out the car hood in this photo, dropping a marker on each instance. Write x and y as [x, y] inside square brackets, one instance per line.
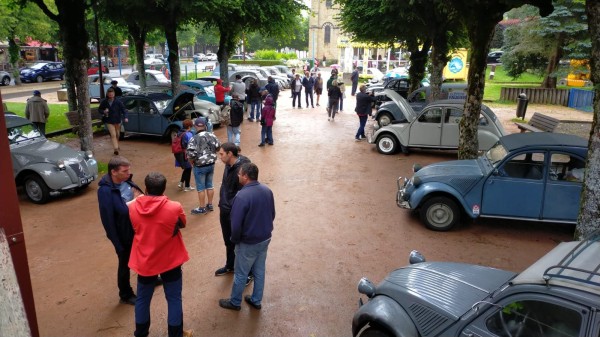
[43, 151]
[461, 174]
[441, 291]
[402, 103]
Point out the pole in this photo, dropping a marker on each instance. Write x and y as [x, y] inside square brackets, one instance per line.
[313, 44]
[100, 79]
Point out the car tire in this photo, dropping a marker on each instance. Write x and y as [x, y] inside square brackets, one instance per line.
[5, 80]
[39, 79]
[37, 190]
[387, 144]
[384, 118]
[374, 332]
[171, 134]
[440, 213]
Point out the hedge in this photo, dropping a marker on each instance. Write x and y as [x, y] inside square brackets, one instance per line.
[257, 62]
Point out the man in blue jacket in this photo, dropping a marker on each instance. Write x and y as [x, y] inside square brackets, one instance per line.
[252, 215]
[308, 82]
[116, 190]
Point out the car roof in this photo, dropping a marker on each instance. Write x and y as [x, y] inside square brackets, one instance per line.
[14, 120]
[203, 83]
[154, 96]
[572, 264]
[535, 139]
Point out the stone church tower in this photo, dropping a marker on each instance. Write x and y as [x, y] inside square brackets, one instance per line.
[323, 31]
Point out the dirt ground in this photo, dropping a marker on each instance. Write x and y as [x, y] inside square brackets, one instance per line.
[336, 222]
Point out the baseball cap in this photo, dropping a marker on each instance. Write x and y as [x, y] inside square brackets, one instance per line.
[114, 82]
[37, 93]
[199, 122]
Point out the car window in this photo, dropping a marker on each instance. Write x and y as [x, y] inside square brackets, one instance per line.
[453, 116]
[22, 133]
[431, 116]
[496, 153]
[131, 105]
[145, 107]
[483, 120]
[528, 165]
[535, 318]
[566, 167]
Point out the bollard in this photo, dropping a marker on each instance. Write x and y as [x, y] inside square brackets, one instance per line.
[522, 105]
[492, 71]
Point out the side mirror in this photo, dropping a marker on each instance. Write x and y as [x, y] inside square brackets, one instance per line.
[415, 257]
[496, 172]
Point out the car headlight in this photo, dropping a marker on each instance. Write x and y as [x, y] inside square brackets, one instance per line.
[417, 167]
[366, 287]
[61, 165]
[416, 181]
[89, 154]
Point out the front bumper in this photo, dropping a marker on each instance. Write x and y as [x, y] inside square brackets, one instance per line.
[401, 195]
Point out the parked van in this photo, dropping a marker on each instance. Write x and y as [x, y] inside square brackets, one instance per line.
[419, 98]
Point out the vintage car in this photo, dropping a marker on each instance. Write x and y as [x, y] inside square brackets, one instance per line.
[556, 296]
[160, 114]
[204, 90]
[94, 85]
[535, 176]
[434, 127]
[45, 168]
[419, 98]
[398, 85]
[4, 78]
[153, 78]
[42, 71]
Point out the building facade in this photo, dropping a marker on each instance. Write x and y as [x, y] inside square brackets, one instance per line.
[323, 31]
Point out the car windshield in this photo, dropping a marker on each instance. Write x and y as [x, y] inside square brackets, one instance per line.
[161, 77]
[496, 153]
[210, 90]
[23, 133]
[161, 105]
[38, 66]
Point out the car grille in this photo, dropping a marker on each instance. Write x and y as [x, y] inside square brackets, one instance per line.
[79, 168]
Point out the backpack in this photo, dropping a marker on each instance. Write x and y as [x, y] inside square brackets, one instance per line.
[225, 115]
[176, 142]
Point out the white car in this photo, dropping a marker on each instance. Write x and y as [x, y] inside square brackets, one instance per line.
[94, 85]
[154, 62]
[211, 57]
[153, 78]
[200, 57]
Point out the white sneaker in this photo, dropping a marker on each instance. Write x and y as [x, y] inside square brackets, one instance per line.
[180, 185]
[188, 189]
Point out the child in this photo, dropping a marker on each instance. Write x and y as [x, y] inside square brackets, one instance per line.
[266, 120]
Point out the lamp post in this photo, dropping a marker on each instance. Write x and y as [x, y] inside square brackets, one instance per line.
[314, 28]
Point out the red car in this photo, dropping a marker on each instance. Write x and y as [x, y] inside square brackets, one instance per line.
[93, 69]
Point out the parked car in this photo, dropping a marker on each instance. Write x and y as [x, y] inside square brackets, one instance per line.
[155, 56]
[4, 78]
[422, 96]
[399, 85]
[94, 85]
[284, 70]
[558, 295]
[494, 57]
[374, 75]
[160, 114]
[93, 69]
[211, 57]
[281, 81]
[204, 90]
[434, 127]
[240, 57]
[42, 71]
[535, 176]
[45, 168]
[152, 62]
[153, 78]
[199, 57]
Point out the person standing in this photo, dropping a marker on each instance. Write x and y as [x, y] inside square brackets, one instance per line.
[268, 116]
[354, 79]
[202, 154]
[115, 190]
[236, 116]
[238, 89]
[114, 113]
[255, 99]
[220, 91]
[158, 249]
[115, 85]
[37, 112]
[308, 82]
[334, 93]
[181, 159]
[343, 91]
[291, 78]
[297, 91]
[252, 216]
[229, 155]
[363, 110]
[273, 90]
[318, 86]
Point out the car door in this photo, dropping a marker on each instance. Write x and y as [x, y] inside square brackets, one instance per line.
[516, 187]
[133, 114]
[450, 133]
[563, 187]
[150, 119]
[426, 130]
[151, 79]
[94, 87]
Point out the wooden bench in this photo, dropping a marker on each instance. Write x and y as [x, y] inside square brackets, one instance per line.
[209, 68]
[73, 118]
[539, 123]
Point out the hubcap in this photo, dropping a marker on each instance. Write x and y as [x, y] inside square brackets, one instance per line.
[34, 191]
[440, 214]
[386, 144]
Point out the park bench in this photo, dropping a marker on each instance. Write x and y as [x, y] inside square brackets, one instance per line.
[73, 118]
[539, 123]
[209, 68]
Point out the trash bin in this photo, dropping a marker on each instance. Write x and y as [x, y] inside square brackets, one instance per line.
[196, 59]
[522, 105]
[311, 63]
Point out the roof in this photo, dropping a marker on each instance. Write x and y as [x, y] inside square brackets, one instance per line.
[572, 264]
[531, 139]
[14, 120]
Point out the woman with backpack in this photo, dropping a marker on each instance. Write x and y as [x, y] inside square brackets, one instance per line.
[178, 146]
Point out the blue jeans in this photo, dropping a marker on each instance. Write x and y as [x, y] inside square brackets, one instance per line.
[204, 177]
[233, 134]
[341, 103]
[172, 284]
[361, 127]
[253, 105]
[266, 133]
[294, 96]
[249, 258]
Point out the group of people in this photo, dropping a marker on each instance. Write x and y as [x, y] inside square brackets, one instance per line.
[312, 82]
[144, 227]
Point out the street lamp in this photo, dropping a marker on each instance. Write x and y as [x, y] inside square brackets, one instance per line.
[314, 28]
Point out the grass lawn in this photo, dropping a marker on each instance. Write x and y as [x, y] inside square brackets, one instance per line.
[56, 121]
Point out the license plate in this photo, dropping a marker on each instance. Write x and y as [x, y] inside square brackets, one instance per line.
[86, 180]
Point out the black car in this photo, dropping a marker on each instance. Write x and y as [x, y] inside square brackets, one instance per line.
[399, 85]
[494, 57]
[42, 71]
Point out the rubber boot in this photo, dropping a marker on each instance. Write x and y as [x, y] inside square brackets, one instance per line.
[175, 330]
[142, 330]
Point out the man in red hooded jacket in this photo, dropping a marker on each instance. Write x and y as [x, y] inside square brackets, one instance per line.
[220, 91]
[158, 249]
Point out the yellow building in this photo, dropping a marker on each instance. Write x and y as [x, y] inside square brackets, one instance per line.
[323, 32]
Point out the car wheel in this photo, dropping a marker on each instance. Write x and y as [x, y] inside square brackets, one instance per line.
[36, 189]
[384, 119]
[6, 80]
[39, 79]
[387, 144]
[171, 134]
[440, 213]
[374, 332]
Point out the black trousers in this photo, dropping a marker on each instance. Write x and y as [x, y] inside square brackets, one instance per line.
[125, 290]
[225, 219]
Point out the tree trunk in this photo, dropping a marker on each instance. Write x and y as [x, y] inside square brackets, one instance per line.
[173, 58]
[553, 61]
[439, 58]
[418, 61]
[138, 36]
[589, 212]
[14, 50]
[227, 41]
[480, 37]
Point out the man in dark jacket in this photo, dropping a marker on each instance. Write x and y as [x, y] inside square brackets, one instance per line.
[228, 153]
[273, 89]
[354, 79]
[116, 190]
[308, 82]
[364, 108]
[252, 215]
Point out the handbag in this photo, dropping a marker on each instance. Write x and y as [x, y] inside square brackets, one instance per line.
[263, 121]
